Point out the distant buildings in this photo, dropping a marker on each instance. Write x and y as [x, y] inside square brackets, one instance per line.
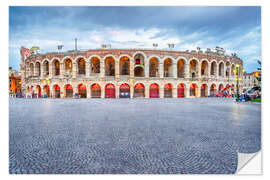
[14, 81]
[250, 80]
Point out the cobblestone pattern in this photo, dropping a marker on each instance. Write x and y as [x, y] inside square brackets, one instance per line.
[123, 136]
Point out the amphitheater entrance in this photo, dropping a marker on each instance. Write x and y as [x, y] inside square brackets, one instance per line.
[139, 90]
[168, 91]
[56, 91]
[124, 66]
[139, 71]
[168, 68]
[213, 71]
[68, 67]
[46, 90]
[181, 68]
[37, 66]
[56, 68]
[46, 68]
[193, 68]
[153, 67]
[204, 68]
[193, 90]
[95, 65]
[95, 91]
[81, 66]
[154, 91]
[38, 90]
[220, 87]
[109, 66]
[69, 91]
[221, 69]
[82, 91]
[213, 90]
[124, 91]
[110, 91]
[181, 90]
[204, 90]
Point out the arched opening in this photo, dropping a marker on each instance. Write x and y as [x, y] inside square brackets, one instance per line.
[193, 66]
[82, 91]
[38, 90]
[220, 87]
[46, 68]
[193, 90]
[204, 90]
[124, 91]
[213, 90]
[168, 68]
[124, 65]
[139, 65]
[154, 91]
[232, 73]
[213, 68]
[38, 69]
[95, 91]
[221, 69]
[228, 69]
[109, 66]
[181, 68]
[95, 65]
[56, 91]
[69, 91]
[31, 69]
[153, 67]
[139, 90]
[68, 67]
[181, 90]
[204, 68]
[81, 66]
[46, 90]
[56, 67]
[168, 90]
[139, 71]
[110, 91]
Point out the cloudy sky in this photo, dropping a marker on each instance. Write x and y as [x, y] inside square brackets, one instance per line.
[236, 29]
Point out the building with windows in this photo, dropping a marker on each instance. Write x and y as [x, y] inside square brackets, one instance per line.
[130, 73]
[250, 80]
[14, 81]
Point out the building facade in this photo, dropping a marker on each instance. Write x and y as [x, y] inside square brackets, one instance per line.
[250, 80]
[116, 73]
[14, 81]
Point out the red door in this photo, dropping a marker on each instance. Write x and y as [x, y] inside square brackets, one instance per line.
[154, 91]
[109, 91]
[181, 91]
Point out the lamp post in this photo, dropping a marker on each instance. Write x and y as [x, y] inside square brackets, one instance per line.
[237, 71]
[47, 81]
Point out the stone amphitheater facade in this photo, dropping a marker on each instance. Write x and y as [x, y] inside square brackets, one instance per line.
[116, 73]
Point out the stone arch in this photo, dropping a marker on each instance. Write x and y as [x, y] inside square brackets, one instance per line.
[68, 65]
[221, 69]
[110, 90]
[109, 65]
[193, 67]
[153, 66]
[45, 66]
[46, 90]
[204, 90]
[95, 90]
[193, 90]
[32, 69]
[139, 64]
[37, 68]
[81, 65]
[82, 90]
[228, 69]
[232, 69]
[168, 67]
[95, 64]
[213, 68]
[124, 90]
[204, 68]
[154, 90]
[139, 90]
[181, 90]
[168, 90]
[220, 86]
[56, 66]
[38, 91]
[56, 91]
[124, 65]
[68, 91]
[213, 90]
[181, 63]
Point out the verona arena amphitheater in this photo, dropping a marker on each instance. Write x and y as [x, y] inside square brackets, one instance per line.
[129, 73]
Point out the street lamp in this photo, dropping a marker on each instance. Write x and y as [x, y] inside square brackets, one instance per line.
[237, 71]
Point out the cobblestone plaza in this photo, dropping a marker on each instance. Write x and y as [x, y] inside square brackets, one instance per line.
[131, 136]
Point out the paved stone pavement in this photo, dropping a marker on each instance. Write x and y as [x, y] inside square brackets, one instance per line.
[131, 136]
